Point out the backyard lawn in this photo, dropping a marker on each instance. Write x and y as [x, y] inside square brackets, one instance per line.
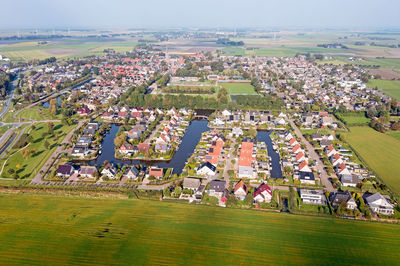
[239, 88]
[379, 151]
[56, 230]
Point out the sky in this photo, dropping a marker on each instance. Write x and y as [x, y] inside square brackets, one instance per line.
[20, 14]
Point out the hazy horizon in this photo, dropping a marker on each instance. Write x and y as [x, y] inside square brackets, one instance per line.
[46, 14]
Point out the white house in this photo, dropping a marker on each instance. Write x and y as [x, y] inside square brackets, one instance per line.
[379, 204]
[263, 194]
[312, 196]
[206, 169]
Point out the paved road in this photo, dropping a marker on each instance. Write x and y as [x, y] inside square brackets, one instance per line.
[60, 149]
[320, 166]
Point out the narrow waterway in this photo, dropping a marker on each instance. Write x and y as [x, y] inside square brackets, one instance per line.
[186, 148]
[276, 170]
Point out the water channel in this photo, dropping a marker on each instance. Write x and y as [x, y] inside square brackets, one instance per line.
[186, 148]
[276, 170]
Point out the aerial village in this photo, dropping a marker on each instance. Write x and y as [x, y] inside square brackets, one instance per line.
[136, 132]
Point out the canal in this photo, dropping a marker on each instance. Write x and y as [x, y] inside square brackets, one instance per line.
[186, 148]
[276, 169]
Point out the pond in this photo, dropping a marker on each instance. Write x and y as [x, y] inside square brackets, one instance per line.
[276, 169]
[47, 104]
[186, 148]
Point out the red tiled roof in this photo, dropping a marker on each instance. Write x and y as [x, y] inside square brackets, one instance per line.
[303, 164]
[156, 172]
[241, 184]
[246, 152]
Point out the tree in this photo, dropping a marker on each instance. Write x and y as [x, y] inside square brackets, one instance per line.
[53, 106]
[29, 139]
[167, 192]
[46, 144]
[177, 191]
[120, 140]
[26, 153]
[253, 132]
[50, 127]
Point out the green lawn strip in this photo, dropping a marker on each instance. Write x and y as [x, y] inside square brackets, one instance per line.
[394, 134]
[379, 151]
[116, 231]
[28, 167]
[239, 88]
[3, 130]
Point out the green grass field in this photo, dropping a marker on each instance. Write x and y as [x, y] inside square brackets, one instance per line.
[55, 230]
[354, 119]
[390, 87]
[239, 88]
[27, 167]
[379, 151]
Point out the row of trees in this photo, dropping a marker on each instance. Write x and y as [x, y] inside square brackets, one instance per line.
[5, 80]
[189, 89]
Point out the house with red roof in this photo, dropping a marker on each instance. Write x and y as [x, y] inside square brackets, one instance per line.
[143, 147]
[214, 152]
[303, 167]
[127, 149]
[240, 190]
[84, 111]
[263, 193]
[336, 159]
[157, 172]
[293, 142]
[341, 169]
[300, 157]
[296, 149]
[330, 151]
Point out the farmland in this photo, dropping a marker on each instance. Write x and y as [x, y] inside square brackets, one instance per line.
[26, 51]
[68, 230]
[379, 151]
[390, 87]
[239, 88]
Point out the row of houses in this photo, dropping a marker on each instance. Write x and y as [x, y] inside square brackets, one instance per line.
[247, 118]
[296, 158]
[78, 172]
[83, 145]
[347, 177]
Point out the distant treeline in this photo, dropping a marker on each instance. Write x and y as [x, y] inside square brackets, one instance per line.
[190, 89]
[199, 102]
[229, 42]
